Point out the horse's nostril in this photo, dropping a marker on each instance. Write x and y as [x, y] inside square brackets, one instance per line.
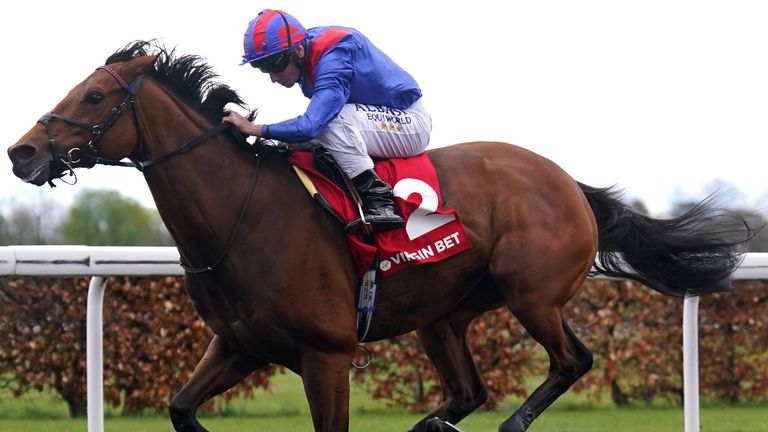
[21, 153]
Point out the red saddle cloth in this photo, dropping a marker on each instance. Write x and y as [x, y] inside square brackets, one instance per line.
[431, 233]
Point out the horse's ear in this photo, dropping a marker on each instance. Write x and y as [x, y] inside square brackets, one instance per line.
[140, 64]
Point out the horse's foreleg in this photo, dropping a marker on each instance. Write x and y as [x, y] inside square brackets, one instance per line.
[463, 390]
[220, 369]
[569, 360]
[326, 383]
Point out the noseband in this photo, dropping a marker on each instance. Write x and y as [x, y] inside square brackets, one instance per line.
[90, 152]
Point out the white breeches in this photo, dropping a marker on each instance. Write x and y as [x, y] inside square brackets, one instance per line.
[363, 131]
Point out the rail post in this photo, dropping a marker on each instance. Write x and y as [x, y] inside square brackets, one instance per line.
[691, 363]
[95, 353]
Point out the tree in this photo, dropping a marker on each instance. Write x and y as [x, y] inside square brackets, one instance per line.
[30, 222]
[106, 218]
[4, 233]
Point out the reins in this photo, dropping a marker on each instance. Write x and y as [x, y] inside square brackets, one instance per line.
[97, 131]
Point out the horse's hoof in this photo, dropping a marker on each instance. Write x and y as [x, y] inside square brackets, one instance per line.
[519, 421]
[436, 425]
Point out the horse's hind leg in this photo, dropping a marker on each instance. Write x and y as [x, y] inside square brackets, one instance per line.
[569, 360]
[220, 369]
[445, 343]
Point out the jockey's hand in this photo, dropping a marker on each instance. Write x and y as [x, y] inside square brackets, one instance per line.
[241, 123]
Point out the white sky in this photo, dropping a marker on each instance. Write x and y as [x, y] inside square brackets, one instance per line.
[663, 98]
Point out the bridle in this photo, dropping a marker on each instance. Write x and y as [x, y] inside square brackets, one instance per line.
[90, 152]
[61, 163]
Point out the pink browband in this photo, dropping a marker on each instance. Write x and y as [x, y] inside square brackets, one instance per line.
[115, 75]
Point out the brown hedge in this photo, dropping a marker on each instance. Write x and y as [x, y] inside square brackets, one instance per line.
[153, 339]
[635, 335]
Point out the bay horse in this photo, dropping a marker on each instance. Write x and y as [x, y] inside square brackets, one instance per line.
[270, 272]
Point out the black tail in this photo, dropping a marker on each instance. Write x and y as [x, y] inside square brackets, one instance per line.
[695, 253]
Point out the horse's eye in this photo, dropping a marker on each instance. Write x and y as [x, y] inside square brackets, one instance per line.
[94, 98]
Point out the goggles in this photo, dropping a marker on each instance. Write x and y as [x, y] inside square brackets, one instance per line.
[275, 63]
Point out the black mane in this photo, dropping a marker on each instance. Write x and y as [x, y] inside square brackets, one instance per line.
[189, 77]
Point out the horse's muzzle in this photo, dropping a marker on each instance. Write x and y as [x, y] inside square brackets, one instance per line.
[30, 164]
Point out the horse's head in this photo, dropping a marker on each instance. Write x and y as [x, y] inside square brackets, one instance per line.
[86, 125]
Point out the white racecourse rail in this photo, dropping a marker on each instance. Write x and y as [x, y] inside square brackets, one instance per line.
[100, 262]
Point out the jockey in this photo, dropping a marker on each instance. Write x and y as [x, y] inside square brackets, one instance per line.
[362, 104]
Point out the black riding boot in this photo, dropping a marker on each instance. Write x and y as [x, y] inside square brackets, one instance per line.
[379, 204]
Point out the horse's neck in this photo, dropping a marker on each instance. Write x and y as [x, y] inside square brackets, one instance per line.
[199, 193]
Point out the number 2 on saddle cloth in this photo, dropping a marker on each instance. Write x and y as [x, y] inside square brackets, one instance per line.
[431, 233]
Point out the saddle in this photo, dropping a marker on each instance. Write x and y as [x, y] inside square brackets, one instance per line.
[431, 232]
[326, 165]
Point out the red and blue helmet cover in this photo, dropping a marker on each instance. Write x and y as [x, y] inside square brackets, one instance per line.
[267, 34]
